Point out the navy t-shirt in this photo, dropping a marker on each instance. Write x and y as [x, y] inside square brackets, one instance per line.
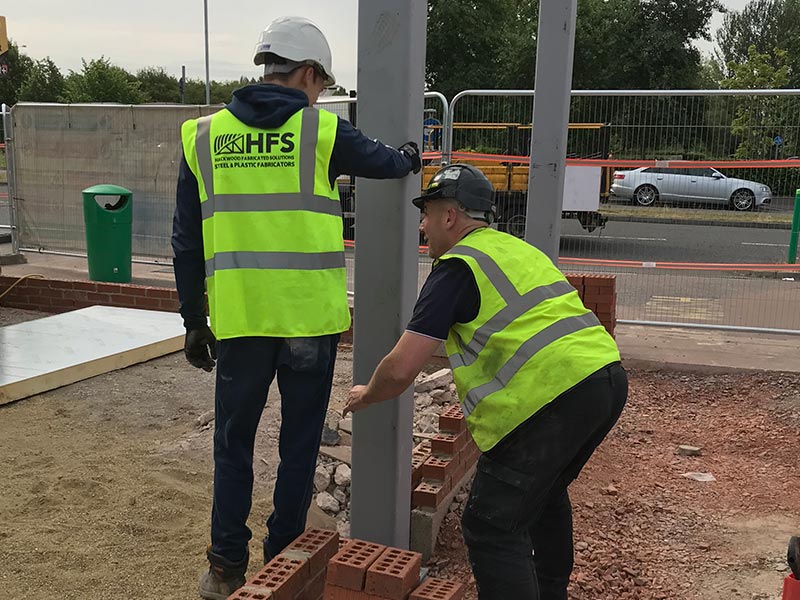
[450, 295]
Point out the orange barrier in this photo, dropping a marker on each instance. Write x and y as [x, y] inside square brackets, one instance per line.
[625, 163]
[638, 264]
[681, 266]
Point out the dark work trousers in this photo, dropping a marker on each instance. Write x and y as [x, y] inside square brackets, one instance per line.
[245, 369]
[518, 520]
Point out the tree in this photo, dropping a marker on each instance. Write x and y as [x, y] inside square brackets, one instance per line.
[620, 44]
[765, 25]
[100, 81]
[43, 83]
[157, 85]
[466, 45]
[758, 118]
[18, 65]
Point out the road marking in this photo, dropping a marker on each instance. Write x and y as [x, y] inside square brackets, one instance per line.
[678, 308]
[611, 237]
[765, 244]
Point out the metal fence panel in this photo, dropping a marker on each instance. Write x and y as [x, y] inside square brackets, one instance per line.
[62, 149]
[697, 189]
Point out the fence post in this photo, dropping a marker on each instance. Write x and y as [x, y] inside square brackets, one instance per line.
[795, 229]
[8, 140]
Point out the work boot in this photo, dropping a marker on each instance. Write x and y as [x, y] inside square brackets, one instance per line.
[793, 556]
[223, 577]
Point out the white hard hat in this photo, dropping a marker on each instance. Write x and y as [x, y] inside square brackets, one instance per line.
[298, 40]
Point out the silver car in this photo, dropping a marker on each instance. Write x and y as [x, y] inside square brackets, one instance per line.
[703, 185]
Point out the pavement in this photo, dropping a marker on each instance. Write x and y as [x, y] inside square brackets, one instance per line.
[651, 347]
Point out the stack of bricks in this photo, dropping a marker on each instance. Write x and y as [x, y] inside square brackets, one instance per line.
[439, 468]
[297, 573]
[599, 294]
[366, 571]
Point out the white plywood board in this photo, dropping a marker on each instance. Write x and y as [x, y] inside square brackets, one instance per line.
[47, 353]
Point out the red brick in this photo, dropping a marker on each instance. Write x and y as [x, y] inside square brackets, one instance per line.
[446, 444]
[575, 279]
[394, 574]
[460, 471]
[440, 469]
[109, 288]
[313, 589]
[428, 495]
[251, 593]
[343, 541]
[134, 290]
[418, 457]
[283, 576]
[148, 303]
[320, 544]
[348, 568]
[438, 589]
[452, 420]
[98, 298]
[601, 281]
[156, 292]
[334, 592]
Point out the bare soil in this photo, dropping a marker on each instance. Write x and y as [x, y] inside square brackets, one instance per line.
[106, 488]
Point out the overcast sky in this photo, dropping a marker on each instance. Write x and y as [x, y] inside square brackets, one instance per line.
[169, 33]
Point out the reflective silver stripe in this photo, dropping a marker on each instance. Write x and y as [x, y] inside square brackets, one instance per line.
[534, 344]
[202, 146]
[297, 261]
[515, 308]
[499, 280]
[309, 135]
[269, 202]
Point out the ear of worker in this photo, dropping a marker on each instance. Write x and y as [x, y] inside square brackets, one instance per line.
[319, 565]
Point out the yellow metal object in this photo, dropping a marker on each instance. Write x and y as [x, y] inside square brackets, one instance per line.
[3, 36]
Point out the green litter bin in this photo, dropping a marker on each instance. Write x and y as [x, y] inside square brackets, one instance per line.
[107, 214]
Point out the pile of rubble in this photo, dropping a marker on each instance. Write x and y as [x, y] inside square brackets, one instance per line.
[432, 395]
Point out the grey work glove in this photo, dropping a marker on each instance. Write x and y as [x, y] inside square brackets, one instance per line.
[200, 348]
[411, 150]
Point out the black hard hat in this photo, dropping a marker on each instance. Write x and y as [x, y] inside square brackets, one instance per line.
[464, 183]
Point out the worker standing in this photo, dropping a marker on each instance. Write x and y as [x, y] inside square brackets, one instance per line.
[539, 381]
[258, 224]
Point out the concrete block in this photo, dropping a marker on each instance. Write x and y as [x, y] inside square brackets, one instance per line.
[440, 379]
[425, 522]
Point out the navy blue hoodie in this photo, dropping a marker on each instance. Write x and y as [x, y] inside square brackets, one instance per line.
[265, 106]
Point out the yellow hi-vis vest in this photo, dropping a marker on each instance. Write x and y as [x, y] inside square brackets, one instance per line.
[272, 227]
[532, 340]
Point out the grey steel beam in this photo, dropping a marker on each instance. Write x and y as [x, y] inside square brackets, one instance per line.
[554, 52]
[391, 66]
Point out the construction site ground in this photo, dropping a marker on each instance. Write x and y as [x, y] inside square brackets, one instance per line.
[107, 486]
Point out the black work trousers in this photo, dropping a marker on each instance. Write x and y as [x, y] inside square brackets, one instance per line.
[518, 520]
[245, 369]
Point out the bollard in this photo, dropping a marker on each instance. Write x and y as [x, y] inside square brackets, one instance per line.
[795, 229]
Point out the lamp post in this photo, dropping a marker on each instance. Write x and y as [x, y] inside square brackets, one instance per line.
[208, 83]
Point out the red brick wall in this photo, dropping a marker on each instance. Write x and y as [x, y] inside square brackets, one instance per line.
[598, 293]
[57, 296]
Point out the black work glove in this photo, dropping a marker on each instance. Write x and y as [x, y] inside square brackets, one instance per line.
[200, 348]
[411, 150]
